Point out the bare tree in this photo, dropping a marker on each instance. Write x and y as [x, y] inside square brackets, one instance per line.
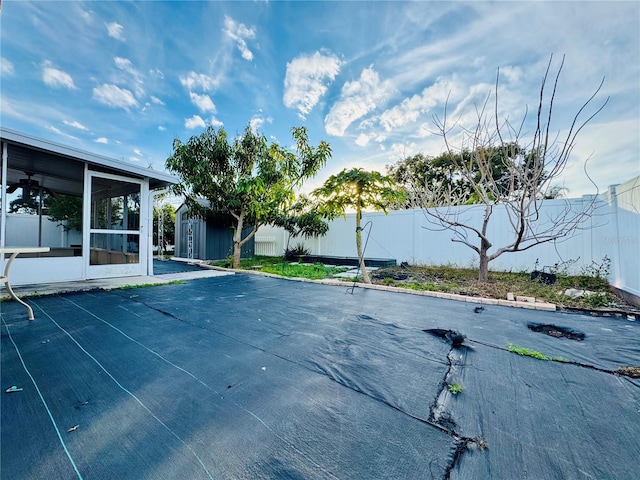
[531, 164]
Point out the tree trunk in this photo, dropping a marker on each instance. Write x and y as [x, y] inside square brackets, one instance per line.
[363, 268]
[237, 238]
[483, 272]
[485, 245]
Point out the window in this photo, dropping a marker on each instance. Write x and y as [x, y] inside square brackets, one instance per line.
[44, 210]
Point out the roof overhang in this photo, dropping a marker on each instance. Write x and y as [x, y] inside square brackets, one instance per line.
[39, 154]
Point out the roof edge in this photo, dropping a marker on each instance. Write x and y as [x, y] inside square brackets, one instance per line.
[12, 136]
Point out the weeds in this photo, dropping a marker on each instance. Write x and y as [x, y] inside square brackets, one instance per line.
[454, 388]
[294, 252]
[463, 281]
[317, 271]
[598, 270]
[275, 265]
[633, 372]
[449, 279]
[147, 285]
[527, 352]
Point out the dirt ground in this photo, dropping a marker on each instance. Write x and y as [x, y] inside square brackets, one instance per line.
[463, 282]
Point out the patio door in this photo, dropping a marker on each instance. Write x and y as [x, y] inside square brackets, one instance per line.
[115, 245]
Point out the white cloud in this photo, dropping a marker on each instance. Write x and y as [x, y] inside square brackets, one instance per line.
[511, 74]
[101, 140]
[156, 72]
[607, 162]
[363, 140]
[194, 122]
[137, 152]
[356, 100]
[307, 78]
[203, 102]
[240, 33]
[126, 66]
[193, 80]
[60, 132]
[87, 16]
[162, 128]
[55, 77]
[426, 130]
[257, 121]
[401, 150]
[156, 100]
[410, 109]
[6, 67]
[215, 122]
[114, 96]
[115, 30]
[466, 111]
[75, 124]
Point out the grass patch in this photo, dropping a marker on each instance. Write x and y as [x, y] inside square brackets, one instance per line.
[147, 285]
[317, 271]
[21, 296]
[451, 279]
[275, 265]
[527, 352]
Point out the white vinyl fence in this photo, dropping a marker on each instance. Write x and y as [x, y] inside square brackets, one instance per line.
[266, 246]
[26, 231]
[408, 236]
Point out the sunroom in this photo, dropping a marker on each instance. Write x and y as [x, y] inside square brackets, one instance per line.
[93, 213]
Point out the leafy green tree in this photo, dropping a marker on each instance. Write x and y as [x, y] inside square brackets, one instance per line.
[25, 205]
[168, 215]
[358, 189]
[67, 210]
[247, 178]
[302, 218]
[450, 178]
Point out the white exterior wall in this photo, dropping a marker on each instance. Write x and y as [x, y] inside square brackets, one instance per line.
[407, 235]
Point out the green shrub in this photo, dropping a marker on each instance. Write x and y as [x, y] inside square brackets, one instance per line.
[294, 252]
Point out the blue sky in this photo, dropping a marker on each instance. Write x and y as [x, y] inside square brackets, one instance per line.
[123, 79]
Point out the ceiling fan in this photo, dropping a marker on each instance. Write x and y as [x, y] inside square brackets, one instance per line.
[28, 186]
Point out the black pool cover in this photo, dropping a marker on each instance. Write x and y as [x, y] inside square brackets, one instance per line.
[249, 377]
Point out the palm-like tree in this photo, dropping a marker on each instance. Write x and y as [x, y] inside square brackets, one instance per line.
[357, 189]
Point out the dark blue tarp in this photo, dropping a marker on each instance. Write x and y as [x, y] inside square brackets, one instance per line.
[252, 377]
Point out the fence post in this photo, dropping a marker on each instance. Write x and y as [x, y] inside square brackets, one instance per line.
[612, 201]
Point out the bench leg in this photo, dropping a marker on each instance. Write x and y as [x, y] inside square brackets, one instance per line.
[15, 297]
[7, 268]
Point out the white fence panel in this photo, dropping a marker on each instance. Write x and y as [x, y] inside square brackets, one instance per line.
[265, 246]
[624, 240]
[23, 230]
[408, 236]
